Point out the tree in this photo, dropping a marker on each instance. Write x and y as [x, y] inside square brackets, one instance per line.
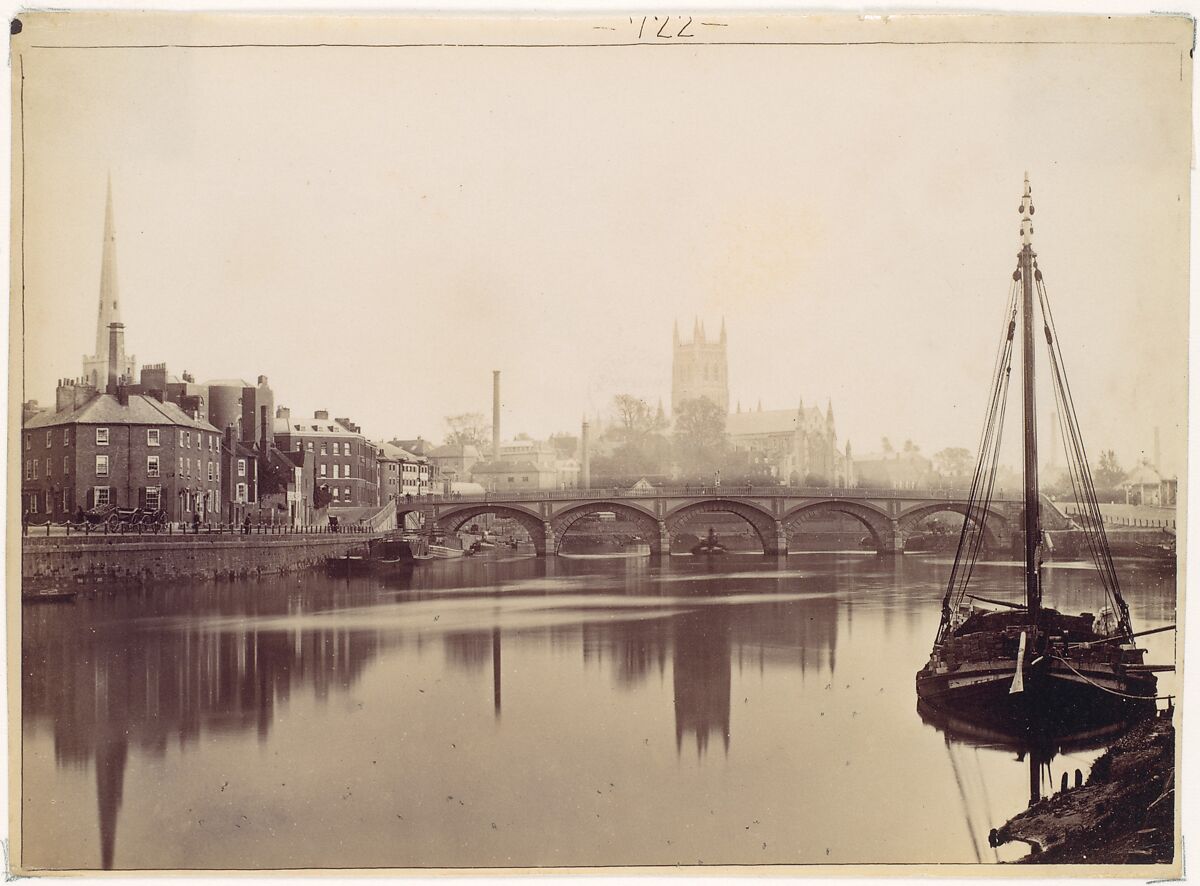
[467, 429]
[952, 463]
[700, 441]
[322, 497]
[1108, 474]
[642, 449]
[635, 417]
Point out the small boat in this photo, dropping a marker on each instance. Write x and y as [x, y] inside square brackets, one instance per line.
[710, 546]
[50, 595]
[1020, 661]
[351, 564]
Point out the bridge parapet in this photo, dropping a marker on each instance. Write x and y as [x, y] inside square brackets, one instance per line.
[856, 492]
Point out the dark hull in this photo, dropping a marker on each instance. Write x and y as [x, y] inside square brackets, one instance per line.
[1055, 701]
[348, 565]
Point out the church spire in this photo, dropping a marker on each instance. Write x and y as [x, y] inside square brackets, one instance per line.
[109, 307]
[96, 366]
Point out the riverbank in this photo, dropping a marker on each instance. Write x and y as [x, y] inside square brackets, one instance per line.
[1124, 814]
[149, 559]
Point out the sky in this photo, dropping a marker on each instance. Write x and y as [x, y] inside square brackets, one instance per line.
[376, 230]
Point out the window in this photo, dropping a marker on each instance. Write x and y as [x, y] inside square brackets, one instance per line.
[33, 503]
[151, 465]
[346, 492]
[47, 467]
[180, 432]
[66, 436]
[325, 448]
[187, 438]
[336, 492]
[154, 497]
[321, 469]
[310, 446]
[336, 471]
[180, 468]
[241, 467]
[241, 492]
[101, 466]
[28, 469]
[346, 473]
[66, 464]
[35, 468]
[212, 442]
[152, 436]
[29, 441]
[210, 472]
[66, 502]
[103, 495]
[101, 436]
[218, 464]
[49, 434]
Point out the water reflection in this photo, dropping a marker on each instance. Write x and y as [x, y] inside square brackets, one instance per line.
[796, 668]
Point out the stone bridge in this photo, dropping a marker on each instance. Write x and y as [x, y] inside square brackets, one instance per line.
[889, 516]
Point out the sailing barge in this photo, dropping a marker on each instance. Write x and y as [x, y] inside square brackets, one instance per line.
[1019, 662]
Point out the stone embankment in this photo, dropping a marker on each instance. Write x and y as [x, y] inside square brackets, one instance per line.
[147, 559]
[1124, 814]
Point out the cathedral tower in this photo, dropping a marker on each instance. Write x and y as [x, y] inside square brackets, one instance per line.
[95, 367]
[699, 369]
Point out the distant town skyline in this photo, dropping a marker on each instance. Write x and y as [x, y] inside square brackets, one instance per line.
[381, 257]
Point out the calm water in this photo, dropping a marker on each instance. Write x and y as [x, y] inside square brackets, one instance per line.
[519, 712]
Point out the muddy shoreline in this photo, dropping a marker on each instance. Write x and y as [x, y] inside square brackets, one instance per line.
[1123, 814]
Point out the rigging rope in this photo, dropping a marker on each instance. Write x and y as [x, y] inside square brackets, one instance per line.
[1106, 689]
[972, 535]
[1094, 532]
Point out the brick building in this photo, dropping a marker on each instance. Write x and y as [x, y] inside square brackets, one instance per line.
[344, 460]
[128, 450]
[401, 473]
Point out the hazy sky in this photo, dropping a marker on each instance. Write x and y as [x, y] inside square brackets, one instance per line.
[378, 229]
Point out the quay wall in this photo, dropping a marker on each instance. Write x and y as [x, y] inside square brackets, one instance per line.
[147, 559]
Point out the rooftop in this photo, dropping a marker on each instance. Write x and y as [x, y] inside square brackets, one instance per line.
[106, 409]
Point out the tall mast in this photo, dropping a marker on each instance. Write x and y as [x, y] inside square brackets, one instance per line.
[1033, 523]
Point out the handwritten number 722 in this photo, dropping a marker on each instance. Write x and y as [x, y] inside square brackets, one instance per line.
[646, 28]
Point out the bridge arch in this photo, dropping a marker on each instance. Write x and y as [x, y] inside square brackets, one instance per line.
[452, 519]
[761, 521]
[877, 523]
[646, 522]
[994, 524]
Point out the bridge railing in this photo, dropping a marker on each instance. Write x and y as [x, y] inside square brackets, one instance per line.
[857, 492]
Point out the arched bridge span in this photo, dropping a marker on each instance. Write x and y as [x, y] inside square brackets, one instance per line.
[774, 513]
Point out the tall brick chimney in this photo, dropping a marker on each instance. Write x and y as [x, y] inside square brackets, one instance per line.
[495, 415]
[585, 466]
[263, 422]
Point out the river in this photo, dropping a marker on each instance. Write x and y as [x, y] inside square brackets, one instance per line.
[516, 711]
